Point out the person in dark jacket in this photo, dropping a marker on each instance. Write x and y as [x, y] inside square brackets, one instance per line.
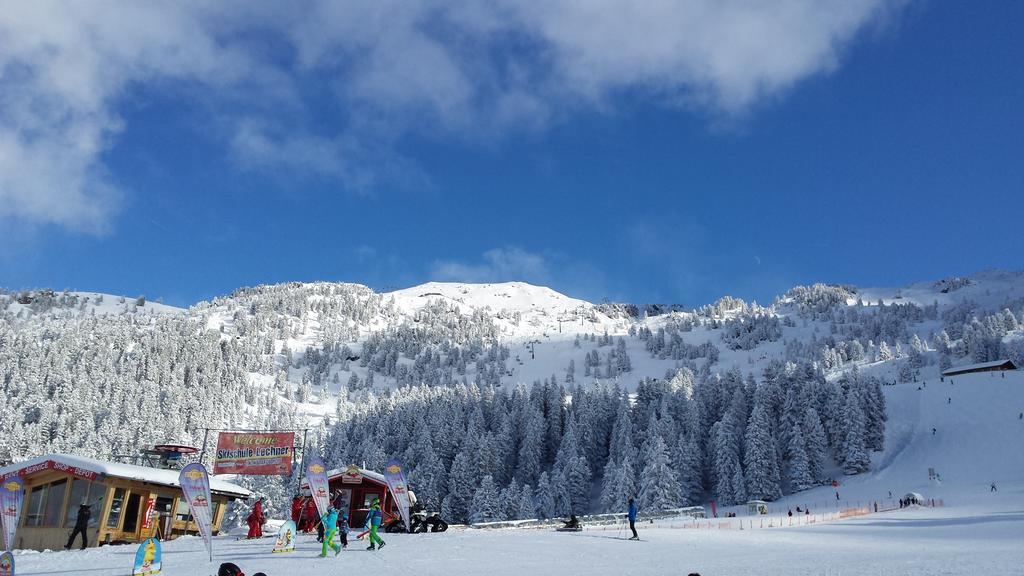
[81, 525]
[632, 519]
[339, 500]
[229, 569]
[343, 528]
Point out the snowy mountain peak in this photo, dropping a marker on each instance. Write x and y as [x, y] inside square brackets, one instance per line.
[511, 296]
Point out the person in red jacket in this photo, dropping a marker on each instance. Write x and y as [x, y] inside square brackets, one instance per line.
[310, 517]
[296, 510]
[255, 520]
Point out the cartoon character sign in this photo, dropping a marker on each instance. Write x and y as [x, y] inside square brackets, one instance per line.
[6, 564]
[148, 558]
[285, 538]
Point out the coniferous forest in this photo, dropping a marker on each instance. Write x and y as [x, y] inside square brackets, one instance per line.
[727, 402]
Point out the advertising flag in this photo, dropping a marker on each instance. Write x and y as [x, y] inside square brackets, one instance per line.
[285, 538]
[6, 564]
[148, 558]
[395, 476]
[255, 453]
[12, 495]
[316, 475]
[195, 483]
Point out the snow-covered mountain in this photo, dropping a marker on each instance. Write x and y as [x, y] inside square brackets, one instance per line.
[374, 372]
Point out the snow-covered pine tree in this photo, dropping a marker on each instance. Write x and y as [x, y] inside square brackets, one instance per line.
[659, 485]
[461, 488]
[727, 472]
[526, 509]
[544, 496]
[854, 452]
[798, 468]
[619, 485]
[531, 451]
[577, 485]
[487, 504]
[688, 463]
[816, 444]
[760, 457]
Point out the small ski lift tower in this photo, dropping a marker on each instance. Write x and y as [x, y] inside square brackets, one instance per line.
[167, 455]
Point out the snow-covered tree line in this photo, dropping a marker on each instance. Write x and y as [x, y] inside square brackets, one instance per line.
[480, 454]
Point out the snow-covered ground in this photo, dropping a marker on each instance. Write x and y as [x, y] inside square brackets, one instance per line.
[978, 539]
[976, 442]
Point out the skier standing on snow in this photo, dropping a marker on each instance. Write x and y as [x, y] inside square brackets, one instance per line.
[255, 520]
[330, 522]
[81, 525]
[375, 520]
[343, 529]
[632, 519]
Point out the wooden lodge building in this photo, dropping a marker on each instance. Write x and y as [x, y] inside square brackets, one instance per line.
[129, 503]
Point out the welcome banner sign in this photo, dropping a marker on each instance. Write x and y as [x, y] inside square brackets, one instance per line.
[255, 453]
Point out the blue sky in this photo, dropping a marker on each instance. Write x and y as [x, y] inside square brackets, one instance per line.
[661, 153]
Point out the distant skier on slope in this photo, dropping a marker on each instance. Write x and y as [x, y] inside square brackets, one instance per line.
[375, 521]
[632, 519]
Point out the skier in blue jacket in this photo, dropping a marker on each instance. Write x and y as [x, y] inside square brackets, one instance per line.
[632, 519]
[375, 522]
[330, 524]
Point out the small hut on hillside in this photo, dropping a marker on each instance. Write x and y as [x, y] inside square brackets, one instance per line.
[993, 366]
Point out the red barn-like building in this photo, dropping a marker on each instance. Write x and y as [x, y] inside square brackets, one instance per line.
[358, 488]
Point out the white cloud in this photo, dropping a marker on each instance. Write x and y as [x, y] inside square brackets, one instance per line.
[497, 265]
[469, 70]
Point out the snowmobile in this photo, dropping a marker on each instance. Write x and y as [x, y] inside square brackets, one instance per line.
[421, 522]
[571, 525]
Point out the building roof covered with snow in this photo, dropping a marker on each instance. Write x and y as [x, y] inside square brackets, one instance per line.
[92, 468]
[993, 366]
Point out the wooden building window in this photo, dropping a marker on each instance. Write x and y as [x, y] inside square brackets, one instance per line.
[55, 502]
[34, 508]
[116, 508]
[182, 512]
[82, 489]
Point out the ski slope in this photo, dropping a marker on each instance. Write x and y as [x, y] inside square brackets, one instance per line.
[910, 542]
[977, 442]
